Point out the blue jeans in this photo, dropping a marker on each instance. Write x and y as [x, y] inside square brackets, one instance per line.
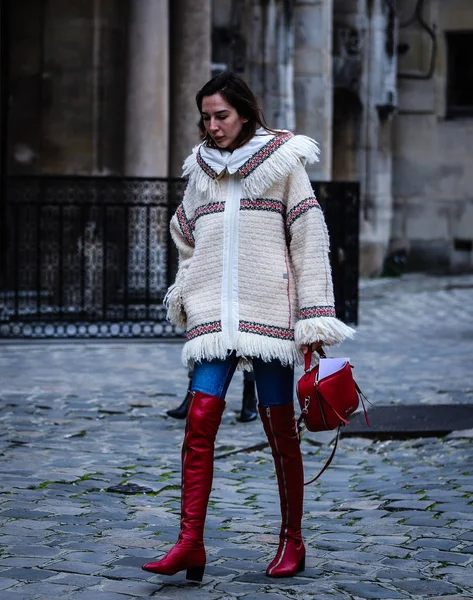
[274, 381]
[247, 375]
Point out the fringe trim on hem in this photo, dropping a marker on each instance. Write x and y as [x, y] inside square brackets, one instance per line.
[247, 346]
[329, 330]
[175, 307]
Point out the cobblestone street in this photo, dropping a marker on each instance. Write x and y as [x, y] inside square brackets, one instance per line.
[388, 520]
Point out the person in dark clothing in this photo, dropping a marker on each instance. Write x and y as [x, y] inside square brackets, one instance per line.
[248, 411]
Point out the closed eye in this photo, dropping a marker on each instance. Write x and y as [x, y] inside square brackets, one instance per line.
[218, 116]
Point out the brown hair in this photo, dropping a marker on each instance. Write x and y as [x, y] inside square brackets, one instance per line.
[238, 94]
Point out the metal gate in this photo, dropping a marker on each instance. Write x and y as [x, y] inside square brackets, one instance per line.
[92, 257]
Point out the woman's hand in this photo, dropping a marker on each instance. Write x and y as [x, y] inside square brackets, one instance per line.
[314, 347]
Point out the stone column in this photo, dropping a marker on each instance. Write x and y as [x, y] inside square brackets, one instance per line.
[190, 45]
[269, 32]
[379, 93]
[147, 107]
[313, 88]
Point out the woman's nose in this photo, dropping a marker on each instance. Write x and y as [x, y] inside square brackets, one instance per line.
[213, 125]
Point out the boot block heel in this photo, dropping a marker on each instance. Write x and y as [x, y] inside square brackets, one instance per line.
[195, 573]
[301, 565]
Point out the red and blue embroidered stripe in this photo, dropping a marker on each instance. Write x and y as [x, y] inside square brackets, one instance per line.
[263, 204]
[208, 209]
[300, 209]
[280, 333]
[265, 152]
[309, 312]
[185, 226]
[205, 166]
[211, 327]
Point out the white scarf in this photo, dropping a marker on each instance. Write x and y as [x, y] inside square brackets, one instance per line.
[221, 160]
[259, 169]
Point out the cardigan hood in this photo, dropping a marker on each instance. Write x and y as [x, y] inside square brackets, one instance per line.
[265, 159]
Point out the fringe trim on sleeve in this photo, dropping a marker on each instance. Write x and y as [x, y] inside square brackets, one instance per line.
[175, 307]
[329, 330]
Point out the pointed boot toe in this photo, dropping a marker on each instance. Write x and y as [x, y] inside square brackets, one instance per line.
[184, 556]
[288, 564]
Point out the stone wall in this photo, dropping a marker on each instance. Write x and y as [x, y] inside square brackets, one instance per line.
[67, 86]
[432, 169]
[190, 50]
[268, 30]
[313, 81]
[364, 100]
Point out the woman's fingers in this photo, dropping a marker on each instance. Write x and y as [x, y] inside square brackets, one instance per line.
[314, 347]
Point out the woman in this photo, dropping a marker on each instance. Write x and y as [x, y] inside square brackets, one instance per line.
[253, 288]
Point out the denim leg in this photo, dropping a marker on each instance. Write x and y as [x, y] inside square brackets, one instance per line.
[214, 376]
[274, 382]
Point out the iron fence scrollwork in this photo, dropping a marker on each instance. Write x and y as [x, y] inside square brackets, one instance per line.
[92, 256]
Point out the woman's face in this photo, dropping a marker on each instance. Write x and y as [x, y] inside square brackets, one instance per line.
[221, 121]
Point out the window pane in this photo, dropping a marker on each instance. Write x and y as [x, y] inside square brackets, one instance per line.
[460, 74]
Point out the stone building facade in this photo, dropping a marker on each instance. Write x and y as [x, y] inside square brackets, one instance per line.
[107, 87]
[96, 86]
[432, 135]
[375, 82]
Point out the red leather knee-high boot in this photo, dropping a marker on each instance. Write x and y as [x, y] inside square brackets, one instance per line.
[280, 427]
[203, 420]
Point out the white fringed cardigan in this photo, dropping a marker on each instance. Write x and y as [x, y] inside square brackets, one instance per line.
[254, 273]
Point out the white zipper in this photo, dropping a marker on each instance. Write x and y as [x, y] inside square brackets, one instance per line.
[230, 312]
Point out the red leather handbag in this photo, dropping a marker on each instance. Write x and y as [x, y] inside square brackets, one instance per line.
[326, 403]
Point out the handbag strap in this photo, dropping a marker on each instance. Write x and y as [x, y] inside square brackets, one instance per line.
[363, 398]
[308, 357]
[322, 398]
[327, 464]
[307, 362]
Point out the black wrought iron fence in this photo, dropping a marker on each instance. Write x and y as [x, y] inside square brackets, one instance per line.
[92, 256]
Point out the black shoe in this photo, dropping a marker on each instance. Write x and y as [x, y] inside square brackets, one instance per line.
[248, 404]
[181, 411]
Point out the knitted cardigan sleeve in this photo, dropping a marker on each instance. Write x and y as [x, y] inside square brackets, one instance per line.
[182, 234]
[309, 249]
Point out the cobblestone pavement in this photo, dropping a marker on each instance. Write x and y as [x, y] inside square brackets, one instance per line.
[389, 520]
